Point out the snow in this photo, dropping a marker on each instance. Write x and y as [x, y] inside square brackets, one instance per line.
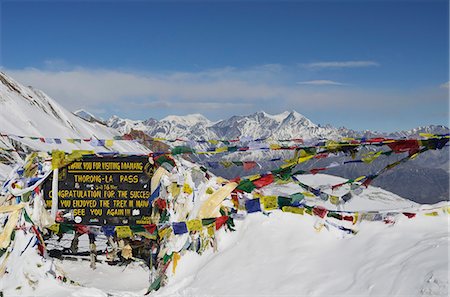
[187, 120]
[281, 254]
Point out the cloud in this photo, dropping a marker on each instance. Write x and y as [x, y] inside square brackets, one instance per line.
[81, 87]
[321, 82]
[341, 64]
[214, 92]
[445, 85]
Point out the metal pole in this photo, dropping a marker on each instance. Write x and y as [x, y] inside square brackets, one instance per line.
[54, 193]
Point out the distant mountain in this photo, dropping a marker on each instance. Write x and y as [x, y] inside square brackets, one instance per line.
[286, 125]
[257, 125]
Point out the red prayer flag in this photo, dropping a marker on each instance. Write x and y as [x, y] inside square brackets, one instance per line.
[320, 211]
[235, 180]
[337, 186]
[150, 228]
[316, 170]
[161, 203]
[347, 218]
[220, 221]
[249, 165]
[409, 215]
[379, 139]
[401, 146]
[263, 181]
[82, 229]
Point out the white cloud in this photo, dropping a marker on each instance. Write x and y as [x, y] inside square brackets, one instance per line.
[445, 85]
[82, 87]
[213, 91]
[321, 82]
[341, 64]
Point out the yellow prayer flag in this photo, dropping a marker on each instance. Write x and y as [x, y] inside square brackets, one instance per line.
[347, 138]
[221, 149]
[287, 165]
[432, 214]
[427, 135]
[254, 177]
[269, 202]
[54, 228]
[211, 230]
[304, 159]
[359, 178]
[58, 159]
[296, 210]
[370, 157]
[213, 141]
[123, 231]
[332, 145]
[194, 225]
[187, 189]
[210, 208]
[164, 232]
[175, 258]
[274, 146]
[308, 194]
[175, 190]
[334, 200]
[109, 142]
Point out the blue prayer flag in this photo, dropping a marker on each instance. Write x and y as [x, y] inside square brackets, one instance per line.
[253, 205]
[179, 228]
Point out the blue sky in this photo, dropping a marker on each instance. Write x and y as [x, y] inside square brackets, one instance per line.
[365, 65]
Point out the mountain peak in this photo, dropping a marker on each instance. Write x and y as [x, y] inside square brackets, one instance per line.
[189, 120]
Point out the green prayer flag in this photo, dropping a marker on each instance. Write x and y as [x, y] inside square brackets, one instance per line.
[246, 186]
[206, 222]
[65, 228]
[297, 197]
[137, 228]
[182, 150]
[284, 201]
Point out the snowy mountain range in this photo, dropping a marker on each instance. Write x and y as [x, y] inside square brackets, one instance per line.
[286, 125]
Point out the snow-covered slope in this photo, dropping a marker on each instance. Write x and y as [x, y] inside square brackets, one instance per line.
[26, 111]
[281, 254]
